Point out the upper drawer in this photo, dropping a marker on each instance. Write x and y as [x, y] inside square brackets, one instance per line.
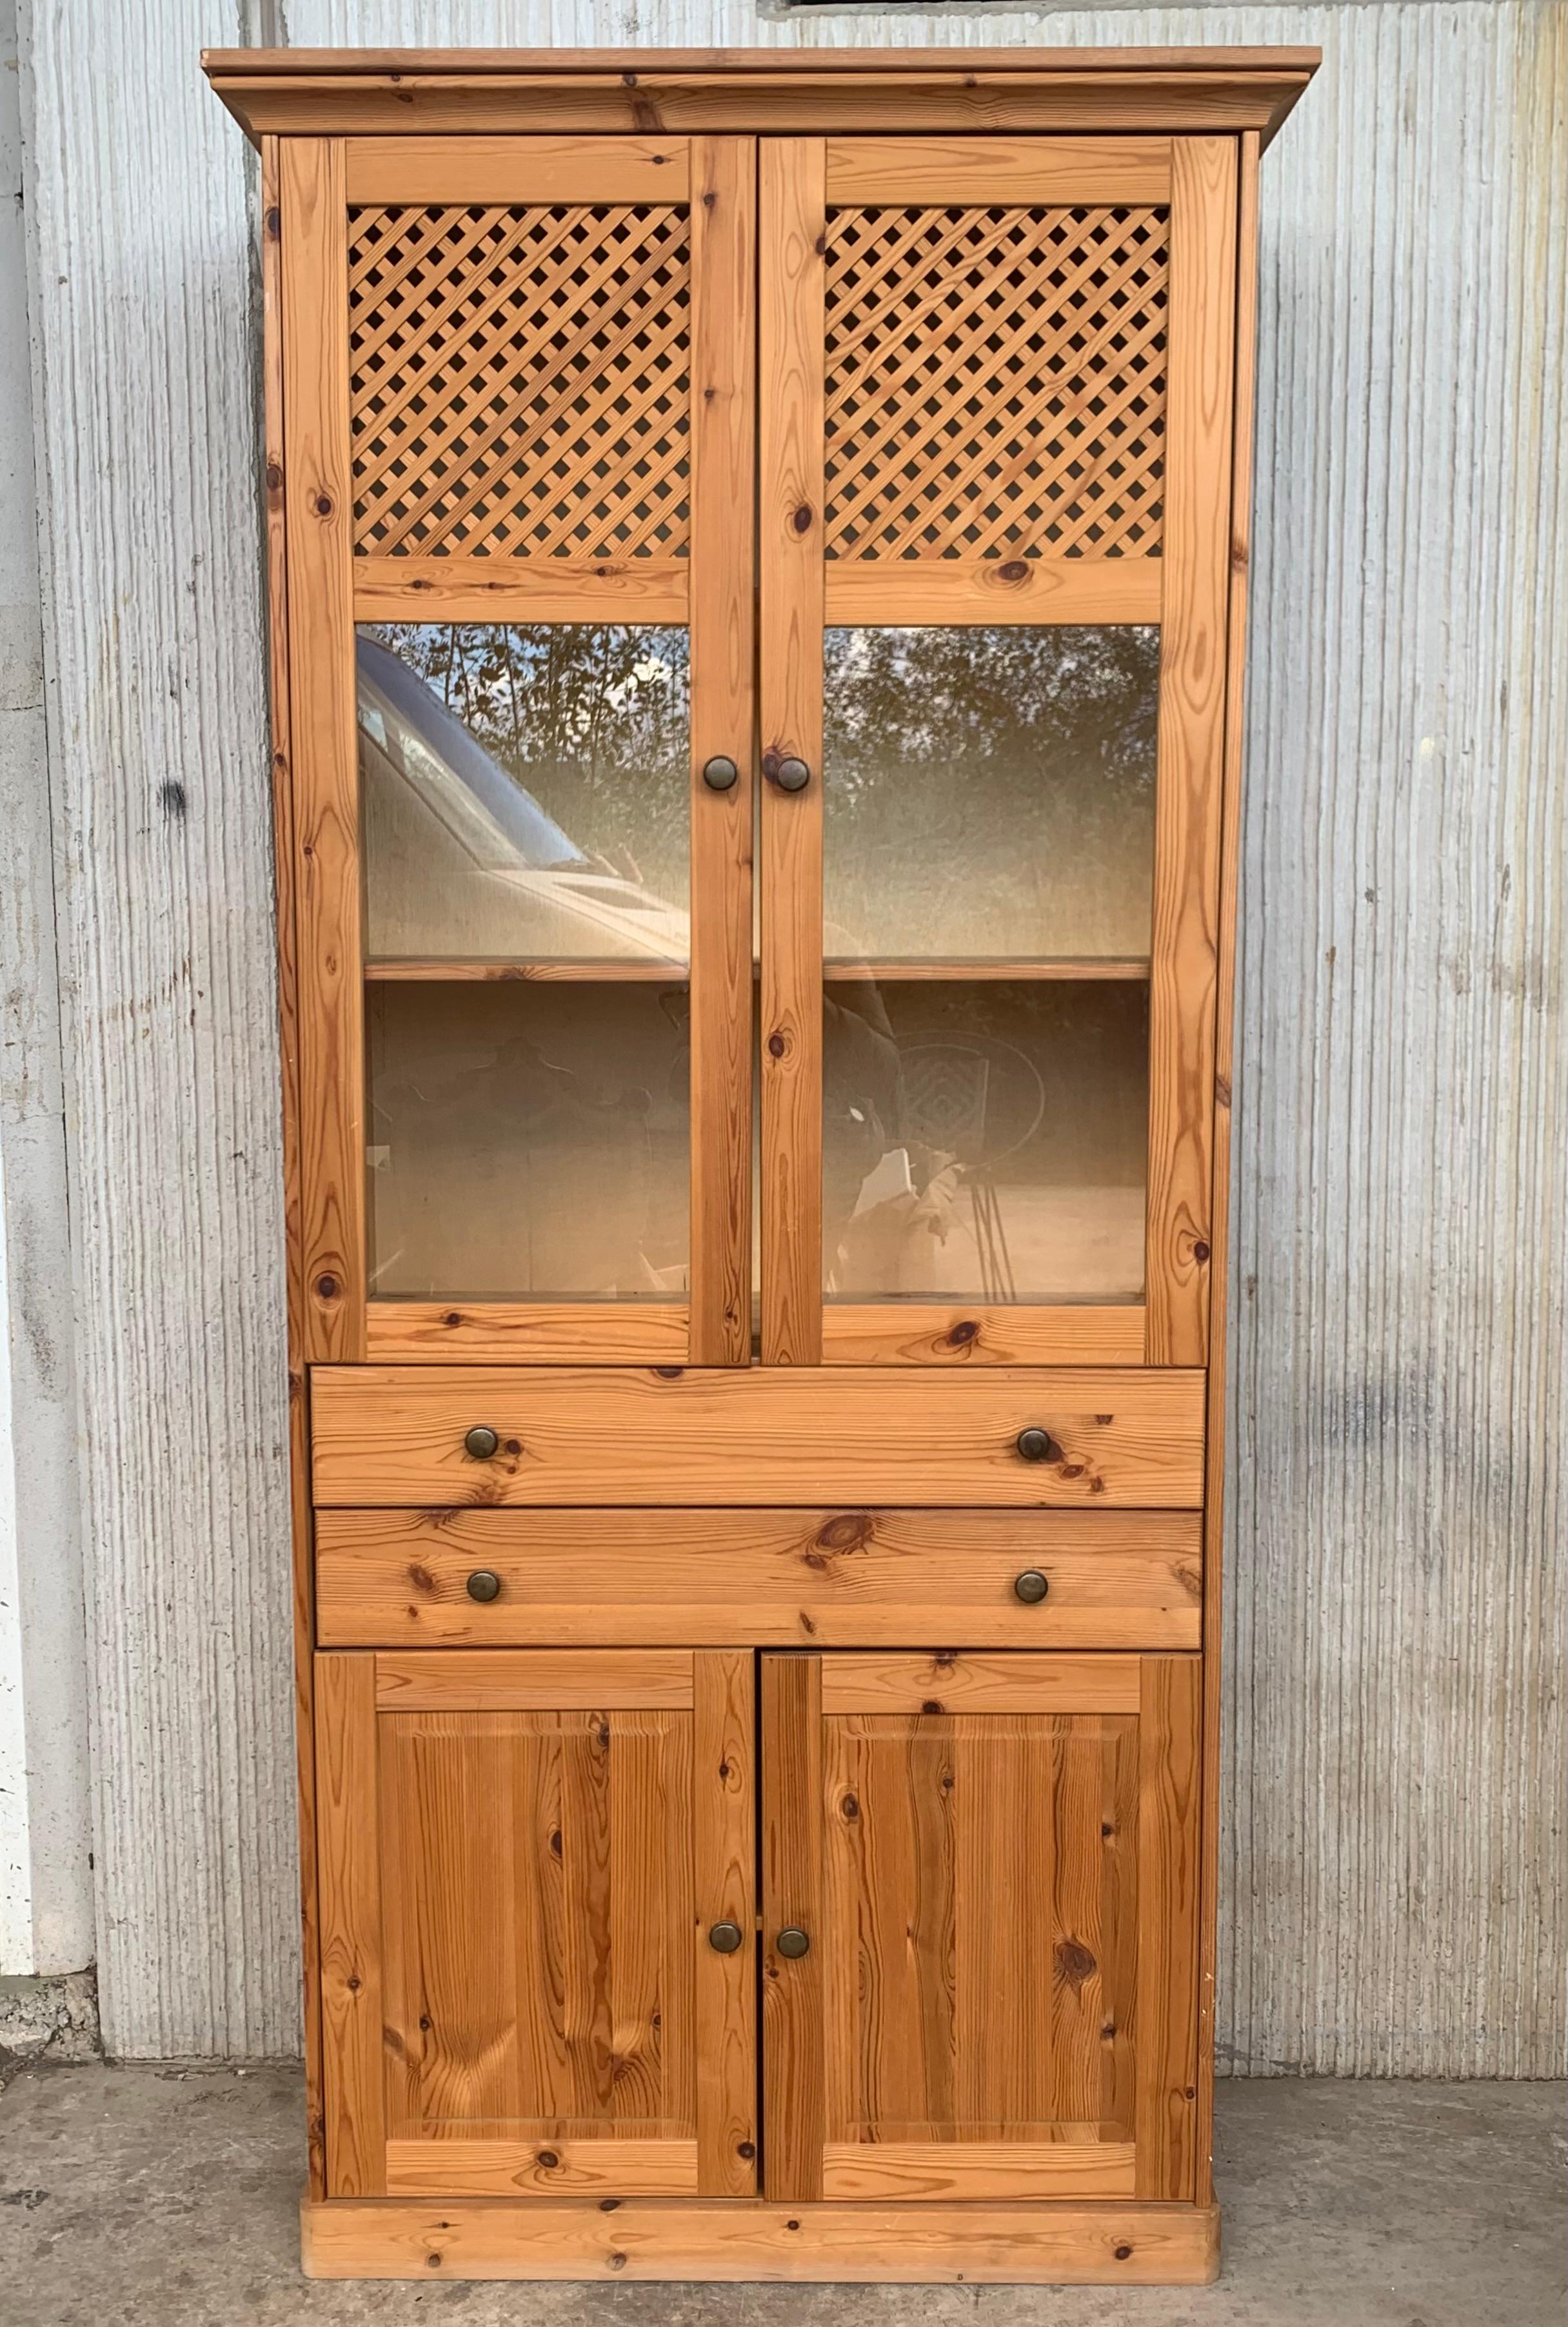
[397, 1434]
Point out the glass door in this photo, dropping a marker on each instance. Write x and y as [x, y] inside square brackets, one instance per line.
[524, 872]
[994, 478]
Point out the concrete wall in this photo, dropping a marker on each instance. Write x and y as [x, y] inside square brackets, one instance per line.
[1394, 1883]
[46, 1918]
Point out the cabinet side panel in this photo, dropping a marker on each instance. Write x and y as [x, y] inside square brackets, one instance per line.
[1192, 735]
[724, 244]
[318, 498]
[288, 1047]
[1225, 1015]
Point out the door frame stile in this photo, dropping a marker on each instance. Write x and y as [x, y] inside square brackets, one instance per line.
[722, 219]
[793, 224]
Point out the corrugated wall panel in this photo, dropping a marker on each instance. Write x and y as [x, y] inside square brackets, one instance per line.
[1394, 1889]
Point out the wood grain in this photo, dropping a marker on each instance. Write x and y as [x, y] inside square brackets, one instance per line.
[725, 1890]
[302, 1558]
[908, 172]
[970, 1965]
[793, 226]
[919, 2171]
[1166, 2033]
[530, 1332]
[780, 1579]
[993, 591]
[1191, 740]
[503, 2169]
[350, 1903]
[395, 1434]
[537, 1871]
[924, 1333]
[1225, 1021]
[326, 815]
[724, 256]
[1115, 2243]
[580, 169]
[949, 1681]
[556, 1679]
[793, 2096]
[459, 589]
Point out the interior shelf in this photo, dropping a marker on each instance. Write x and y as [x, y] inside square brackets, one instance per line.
[1109, 967]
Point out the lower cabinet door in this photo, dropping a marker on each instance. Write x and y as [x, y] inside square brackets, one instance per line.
[525, 1858]
[979, 1912]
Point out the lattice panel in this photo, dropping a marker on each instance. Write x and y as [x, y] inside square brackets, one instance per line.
[996, 382]
[519, 380]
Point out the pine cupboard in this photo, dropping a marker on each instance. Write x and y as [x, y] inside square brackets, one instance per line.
[758, 545]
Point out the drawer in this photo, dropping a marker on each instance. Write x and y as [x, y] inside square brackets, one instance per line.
[764, 1578]
[1117, 1438]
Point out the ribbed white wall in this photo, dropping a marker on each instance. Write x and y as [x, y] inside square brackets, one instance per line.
[1394, 1884]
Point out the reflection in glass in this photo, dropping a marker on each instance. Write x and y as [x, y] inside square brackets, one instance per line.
[528, 1141]
[989, 793]
[985, 1141]
[525, 791]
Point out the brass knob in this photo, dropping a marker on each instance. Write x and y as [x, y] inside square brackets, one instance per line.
[792, 1941]
[1031, 1586]
[1037, 1445]
[724, 1938]
[484, 1583]
[482, 1442]
[792, 775]
[720, 774]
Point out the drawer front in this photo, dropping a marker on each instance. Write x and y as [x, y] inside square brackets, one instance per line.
[764, 1578]
[1120, 1438]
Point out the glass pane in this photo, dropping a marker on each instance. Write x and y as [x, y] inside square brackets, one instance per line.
[985, 1140]
[529, 1141]
[526, 792]
[989, 794]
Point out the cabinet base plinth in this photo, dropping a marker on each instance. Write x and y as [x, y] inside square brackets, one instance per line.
[1044, 2245]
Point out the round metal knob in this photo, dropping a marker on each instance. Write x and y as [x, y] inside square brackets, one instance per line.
[720, 774]
[1031, 1587]
[792, 775]
[482, 1442]
[792, 1941]
[1037, 1445]
[724, 1938]
[484, 1583]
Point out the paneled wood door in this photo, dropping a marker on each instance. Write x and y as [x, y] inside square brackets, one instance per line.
[994, 558]
[979, 1903]
[526, 1857]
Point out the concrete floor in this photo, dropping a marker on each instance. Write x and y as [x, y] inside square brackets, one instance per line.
[168, 2196]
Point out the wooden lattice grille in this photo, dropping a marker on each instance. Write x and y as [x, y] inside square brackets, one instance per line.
[996, 382]
[519, 380]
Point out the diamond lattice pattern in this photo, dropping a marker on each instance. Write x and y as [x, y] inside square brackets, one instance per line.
[518, 381]
[996, 382]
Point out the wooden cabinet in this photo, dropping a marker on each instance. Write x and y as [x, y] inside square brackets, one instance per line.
[757, 547]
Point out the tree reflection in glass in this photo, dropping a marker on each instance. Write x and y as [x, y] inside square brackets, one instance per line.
[525, 790]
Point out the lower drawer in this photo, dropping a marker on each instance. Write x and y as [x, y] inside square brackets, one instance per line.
[778, 1578]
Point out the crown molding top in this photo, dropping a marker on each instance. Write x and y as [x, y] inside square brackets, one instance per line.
[326, 92]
